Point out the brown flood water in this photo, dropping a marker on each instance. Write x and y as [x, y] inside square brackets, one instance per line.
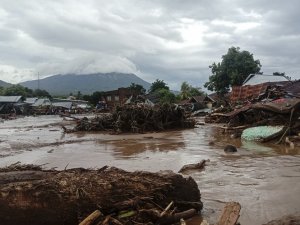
[265, 179]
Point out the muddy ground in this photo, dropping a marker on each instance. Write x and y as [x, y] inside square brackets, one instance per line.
[263, 178]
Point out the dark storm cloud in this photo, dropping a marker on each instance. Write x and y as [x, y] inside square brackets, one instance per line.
[173, 40]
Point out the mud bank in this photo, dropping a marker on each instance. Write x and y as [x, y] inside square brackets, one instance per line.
[31, 196]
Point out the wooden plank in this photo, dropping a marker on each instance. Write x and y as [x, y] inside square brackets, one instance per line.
[230, 214]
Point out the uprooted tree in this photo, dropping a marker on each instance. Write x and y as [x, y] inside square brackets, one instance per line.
[234, 68]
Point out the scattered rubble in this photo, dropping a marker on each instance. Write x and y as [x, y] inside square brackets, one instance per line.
[276, 107]
[286, 220]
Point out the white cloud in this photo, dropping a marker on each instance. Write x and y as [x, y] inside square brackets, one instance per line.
[172, 40]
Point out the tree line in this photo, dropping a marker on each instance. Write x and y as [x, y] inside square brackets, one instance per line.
[236, 65]
[19, 90]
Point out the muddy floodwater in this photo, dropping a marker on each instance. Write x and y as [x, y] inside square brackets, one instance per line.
[265, 179]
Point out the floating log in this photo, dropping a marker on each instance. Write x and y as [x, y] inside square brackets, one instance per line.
[31, 196]
[230, 214]
[195, 166]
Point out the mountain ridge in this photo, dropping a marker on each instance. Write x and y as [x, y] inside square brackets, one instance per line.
[4, 84]
[85, 83]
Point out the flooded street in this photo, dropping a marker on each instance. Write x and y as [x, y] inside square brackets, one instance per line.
[264, 179]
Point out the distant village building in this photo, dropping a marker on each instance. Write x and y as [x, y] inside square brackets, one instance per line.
[118, 97]
[42, 102]
[198, 102]
[30, 101]
[8, 104]
[255, 85]
[71, 104]
[10, 99]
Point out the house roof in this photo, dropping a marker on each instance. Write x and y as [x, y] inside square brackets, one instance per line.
[10, 99]
[41, 102]
[293, 88]
[66, 105]
[30, 100]
[199, 98]
[202, 98]
[254, 79]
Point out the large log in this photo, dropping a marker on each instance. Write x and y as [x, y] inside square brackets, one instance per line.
[230, 214]
[31, 196]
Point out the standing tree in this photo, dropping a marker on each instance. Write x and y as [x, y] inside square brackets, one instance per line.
[236, 65]
[157, 85]
[41, 93]
[187, 91]
[137, 88]
[166, 96]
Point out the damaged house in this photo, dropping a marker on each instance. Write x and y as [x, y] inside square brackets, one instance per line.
[256, 85]
[118, 97]
[9, 104]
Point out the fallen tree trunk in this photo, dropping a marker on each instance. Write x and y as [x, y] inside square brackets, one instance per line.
[230, 214]
[31, 196]
[195, 166]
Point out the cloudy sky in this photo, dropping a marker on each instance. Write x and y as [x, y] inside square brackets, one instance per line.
[173, 40]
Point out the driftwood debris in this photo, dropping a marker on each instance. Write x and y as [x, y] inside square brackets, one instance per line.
[137, 119]
[230, 214]
[31, 196]
[277, 112]
[91, 218]
[195, 166]
[293, 219]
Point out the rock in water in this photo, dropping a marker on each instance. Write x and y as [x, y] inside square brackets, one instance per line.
[230, 148]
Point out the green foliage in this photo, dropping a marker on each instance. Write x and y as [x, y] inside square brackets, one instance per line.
[187, 91]
[17, 90]
[23, 91]
[137, 88]
[236, 65]
[94, 98]
[157, 85]
[166, 96]
[40, 93]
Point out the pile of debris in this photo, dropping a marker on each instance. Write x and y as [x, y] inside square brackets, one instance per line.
[275, 115]
[30, 195]
[137, 119]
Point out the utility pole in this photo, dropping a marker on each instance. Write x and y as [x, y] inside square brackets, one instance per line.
[38, 80]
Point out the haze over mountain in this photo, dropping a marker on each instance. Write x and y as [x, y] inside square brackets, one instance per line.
[4, 84]
[86, 84]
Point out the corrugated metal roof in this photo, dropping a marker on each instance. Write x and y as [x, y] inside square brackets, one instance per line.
[42, 102]
[30, 100]
[66, 105]
[10, 99]
[254, 79]
[199, 98]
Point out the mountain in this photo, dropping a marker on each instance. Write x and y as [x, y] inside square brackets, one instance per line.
[86, 84]
[4, 84]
